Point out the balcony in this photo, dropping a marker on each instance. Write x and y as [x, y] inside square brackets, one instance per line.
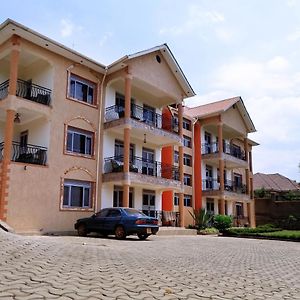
[211, 187]
[29, 91]
[143, 172]
[233, 156]
[143, 121]
[29, 154]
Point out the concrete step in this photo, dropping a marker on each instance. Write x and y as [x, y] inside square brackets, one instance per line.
[166, 231]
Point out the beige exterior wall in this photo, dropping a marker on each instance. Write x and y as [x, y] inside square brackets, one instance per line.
[35, 193]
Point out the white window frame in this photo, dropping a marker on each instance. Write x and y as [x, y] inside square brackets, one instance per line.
[188, 177]
[187, 157]
[189, 197]
[90, 85]
[88, 135]
[77, 183]
[187, 141]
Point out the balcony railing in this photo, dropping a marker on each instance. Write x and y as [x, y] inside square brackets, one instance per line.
[28, 90]
[4, 89]
[229, 185]
[141, 114]
[30, 154]
[141, 166]
[227, 148]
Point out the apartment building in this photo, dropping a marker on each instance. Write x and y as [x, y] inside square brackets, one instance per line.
[223, 159]
[77, 136]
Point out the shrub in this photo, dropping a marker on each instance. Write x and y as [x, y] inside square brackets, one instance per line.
[201, 218]
[208, 231]
[222, 222]
[252, 231]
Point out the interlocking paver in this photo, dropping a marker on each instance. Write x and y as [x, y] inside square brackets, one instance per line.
[193, 267]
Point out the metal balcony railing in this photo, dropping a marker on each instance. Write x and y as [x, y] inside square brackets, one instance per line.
[33, 92]
[141, 114]
[30, 154]
[28, 90]
[141, 166]
[227, 148]
[211, 184]
[4, 89]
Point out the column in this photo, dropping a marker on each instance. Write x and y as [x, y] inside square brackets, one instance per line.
[221, 168]
[197, 166]
[181, 173]
[246, 149]
[126, 185]
[14, 62]
[8, 137]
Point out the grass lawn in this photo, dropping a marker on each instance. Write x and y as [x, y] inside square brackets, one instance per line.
[287, 234]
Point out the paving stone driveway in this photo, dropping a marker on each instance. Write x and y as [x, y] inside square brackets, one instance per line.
[191, 267]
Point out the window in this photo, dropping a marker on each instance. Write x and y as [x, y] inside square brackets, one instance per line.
[119, 150]
[176, 157]
[79, 141]
[118, 197]
[113, 213]
[187, 142]
[187, 200]
[82, 90]
[176, 199]
[186, 124]
[210, 206]
[77, 194]
[187, 160]
[187, 179]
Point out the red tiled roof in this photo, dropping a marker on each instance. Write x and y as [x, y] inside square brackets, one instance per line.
[211, 108]
[274, 182]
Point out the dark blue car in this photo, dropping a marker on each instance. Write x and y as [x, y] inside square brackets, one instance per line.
[118, 221]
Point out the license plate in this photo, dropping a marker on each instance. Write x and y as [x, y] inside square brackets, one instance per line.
[149, 231]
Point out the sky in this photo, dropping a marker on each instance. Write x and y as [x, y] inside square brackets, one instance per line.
[226, 48]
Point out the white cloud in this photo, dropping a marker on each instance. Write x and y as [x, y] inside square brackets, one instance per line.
[294, 36]
[68, 28]
[291, 3]
[258, 78]
[196, 19]
[105, 38]
[224, 34]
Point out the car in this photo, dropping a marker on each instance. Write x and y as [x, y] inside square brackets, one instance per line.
[118, 221]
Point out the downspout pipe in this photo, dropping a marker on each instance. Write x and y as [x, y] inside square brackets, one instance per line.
[100, 146]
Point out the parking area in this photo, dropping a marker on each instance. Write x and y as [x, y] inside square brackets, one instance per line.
[186, 267]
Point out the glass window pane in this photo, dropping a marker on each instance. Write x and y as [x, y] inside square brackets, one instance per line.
[76, 142]
[66, 196]
[76, 196]
[88, 147]
[69, 141]
[79, 91]
[82, 143]
[84, 88]
[90, 95]
[72, 88]
[87, 202]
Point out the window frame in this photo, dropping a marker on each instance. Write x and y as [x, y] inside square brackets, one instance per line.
[186, 124]
[189, 176]
[189, 143]
[77, 183]
[176, 155]
[187, 199]
[185, 158]
[83, 81]
[176, 199]
[87, 134]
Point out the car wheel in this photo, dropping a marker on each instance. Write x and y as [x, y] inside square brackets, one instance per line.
[142, 236]
[82, 230]
[120, 232]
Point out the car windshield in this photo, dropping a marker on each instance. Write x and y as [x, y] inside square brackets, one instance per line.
[134, 212]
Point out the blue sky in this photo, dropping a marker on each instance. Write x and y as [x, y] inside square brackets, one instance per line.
[226, 48]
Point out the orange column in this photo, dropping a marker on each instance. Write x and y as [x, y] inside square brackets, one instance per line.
[197, 166]
[167, 172]
[8, 137]
[14, 62]
[221, 168]
[128, 79]
[181, 173]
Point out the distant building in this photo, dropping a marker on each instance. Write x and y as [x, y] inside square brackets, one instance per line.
[276, 197]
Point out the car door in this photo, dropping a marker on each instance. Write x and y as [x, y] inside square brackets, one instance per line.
[96, 222]
[112, 219]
